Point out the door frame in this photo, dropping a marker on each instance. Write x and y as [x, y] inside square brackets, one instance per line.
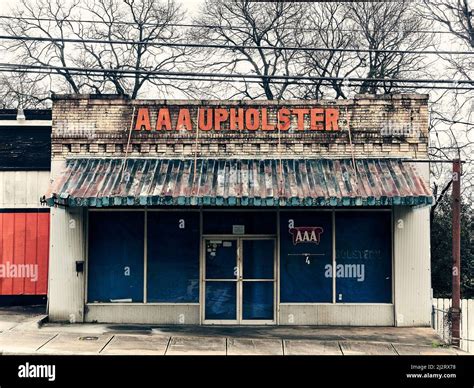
[239, 280]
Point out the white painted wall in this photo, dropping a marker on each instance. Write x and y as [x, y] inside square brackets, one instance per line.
[337, 314]
[23, 189]
[66, 286]
[179, 314]
[412, 261]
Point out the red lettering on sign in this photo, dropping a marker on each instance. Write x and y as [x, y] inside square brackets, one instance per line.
[143, 120]
[184, 120]
[300, 113]
[317, 119]
[332, 117]
[163, 120]
[236, 120]
[221, 116]
[252, 119]
[284, 121]
[205, 123]
[265, 125]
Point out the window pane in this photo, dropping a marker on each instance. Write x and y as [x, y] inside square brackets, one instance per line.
[258, 259]
[173, 257]
[305, 257]
[363, 257]
[253, 222]
[221, 259]
[221, 300]
[258, 300]
[115, 261]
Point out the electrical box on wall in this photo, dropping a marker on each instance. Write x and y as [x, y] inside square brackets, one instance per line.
[79, 266]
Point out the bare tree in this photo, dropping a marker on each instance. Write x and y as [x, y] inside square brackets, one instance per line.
[20, 90]
[119, 24]
[327, 26]
[239, 23]
[452, 112]
[42, 53]
[456, 15]
[149, 22]
[393, 26]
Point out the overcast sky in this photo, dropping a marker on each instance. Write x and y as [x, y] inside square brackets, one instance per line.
[190, 5]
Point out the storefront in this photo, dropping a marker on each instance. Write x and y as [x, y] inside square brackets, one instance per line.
[226, 212]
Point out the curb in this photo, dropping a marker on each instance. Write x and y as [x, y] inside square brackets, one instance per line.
[42, 320]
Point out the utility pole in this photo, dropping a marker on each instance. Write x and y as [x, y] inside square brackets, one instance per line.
[455, 310]
[456, 214]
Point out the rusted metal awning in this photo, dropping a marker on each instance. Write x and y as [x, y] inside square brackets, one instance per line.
[238, 182]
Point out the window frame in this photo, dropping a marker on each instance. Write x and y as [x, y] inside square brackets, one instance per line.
[334, 279]
[278, 211]
[145, 258]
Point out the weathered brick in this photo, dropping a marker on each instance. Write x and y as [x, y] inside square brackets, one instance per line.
[84, 126]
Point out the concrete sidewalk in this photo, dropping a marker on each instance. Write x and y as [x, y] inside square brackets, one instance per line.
[22, 334]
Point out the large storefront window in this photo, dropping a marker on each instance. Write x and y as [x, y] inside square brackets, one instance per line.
[363, 261]
[320, 262]
[305, 253]
[363, 257]
[115, 262]
[173, 257]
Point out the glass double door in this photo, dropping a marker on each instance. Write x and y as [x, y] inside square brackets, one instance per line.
[239, 281]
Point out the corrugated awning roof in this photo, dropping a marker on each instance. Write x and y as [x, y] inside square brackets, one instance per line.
[238, 182]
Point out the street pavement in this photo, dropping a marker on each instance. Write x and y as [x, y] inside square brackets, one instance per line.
[24, 331]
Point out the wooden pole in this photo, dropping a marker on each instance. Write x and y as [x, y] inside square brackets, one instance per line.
[456, 217]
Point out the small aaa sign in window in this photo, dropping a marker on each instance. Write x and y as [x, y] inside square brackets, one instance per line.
[305, 253]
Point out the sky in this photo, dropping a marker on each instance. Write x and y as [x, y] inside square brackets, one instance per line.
[191, 5]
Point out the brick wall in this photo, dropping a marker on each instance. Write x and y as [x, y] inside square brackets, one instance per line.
[380, 126]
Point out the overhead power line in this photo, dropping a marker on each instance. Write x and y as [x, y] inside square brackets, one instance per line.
[176, 78]
[208, 26]
[170, 78]
[228, 47]
[219, 77]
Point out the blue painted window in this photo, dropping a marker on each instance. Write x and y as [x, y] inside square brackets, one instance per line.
[253, 222]
[305, 252]
[221, 259]
[221, 300]
[173, 257]
[257, 300]
[363, 257]
[258, 259]
[115, 260]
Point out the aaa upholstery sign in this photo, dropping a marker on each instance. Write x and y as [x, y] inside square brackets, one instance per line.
[236, 119]
[306, 234]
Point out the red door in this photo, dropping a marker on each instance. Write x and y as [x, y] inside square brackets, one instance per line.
[24, 252]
